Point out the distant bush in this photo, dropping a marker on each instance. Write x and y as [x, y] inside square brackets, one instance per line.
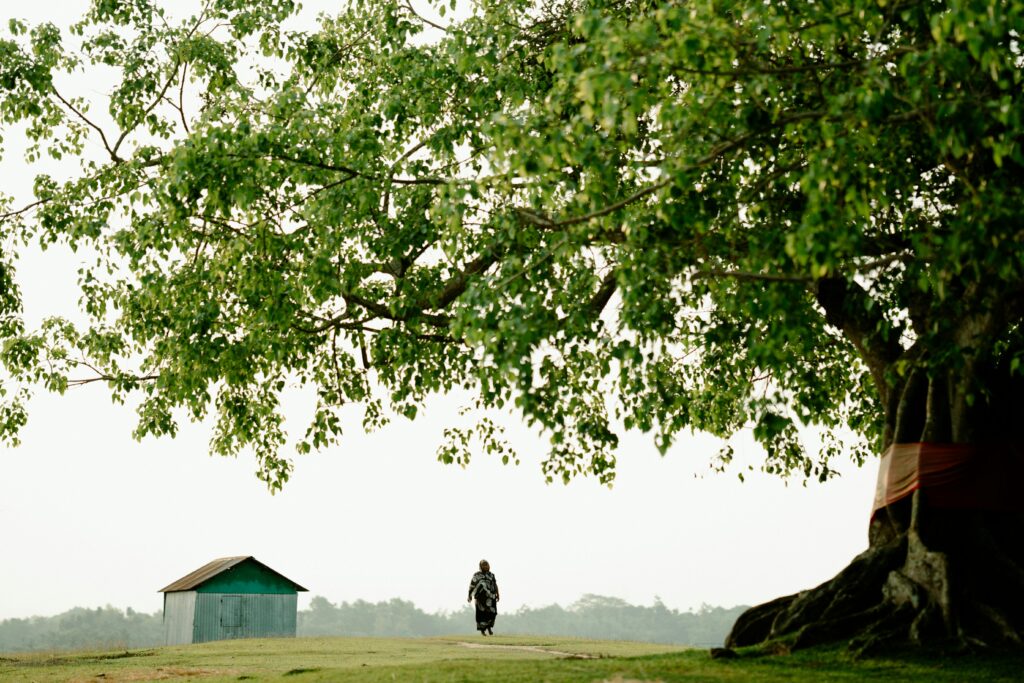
[395, 617]
[80, 628]
[597, 616]
[592, 616]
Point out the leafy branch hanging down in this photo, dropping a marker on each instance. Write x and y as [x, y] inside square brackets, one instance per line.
[660, 216]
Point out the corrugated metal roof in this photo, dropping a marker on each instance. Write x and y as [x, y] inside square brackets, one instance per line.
[212, 569]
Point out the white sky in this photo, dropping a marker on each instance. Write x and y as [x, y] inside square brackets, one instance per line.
[90, 517]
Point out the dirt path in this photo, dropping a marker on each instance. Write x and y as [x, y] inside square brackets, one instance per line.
[529, 648]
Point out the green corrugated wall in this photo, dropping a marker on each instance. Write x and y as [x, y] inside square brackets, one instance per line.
[223, 617]
[248, 577]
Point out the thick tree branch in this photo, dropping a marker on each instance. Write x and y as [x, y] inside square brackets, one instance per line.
[457, 284]
[604, 293]
[439, 300]
[847, 308]
[409, 315]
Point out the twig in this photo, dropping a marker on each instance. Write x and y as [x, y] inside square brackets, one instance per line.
[748, 275]
[106, 145]
[181, 98]
[428, 22]
[385, 202]
[24, 209]
[547, 255]
[111, 378]
[347, 169]
[152, 105]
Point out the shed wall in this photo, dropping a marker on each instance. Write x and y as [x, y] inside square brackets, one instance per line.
[247, 577]
[179, 616]
[224, 616]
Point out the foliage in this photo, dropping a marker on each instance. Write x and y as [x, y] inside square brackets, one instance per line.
[608, 215]
[606, 618]
[395, 617]
[81, 627]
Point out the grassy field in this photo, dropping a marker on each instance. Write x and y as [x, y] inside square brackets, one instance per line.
[504, 659]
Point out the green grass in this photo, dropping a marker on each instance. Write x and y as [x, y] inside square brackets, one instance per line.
[523, 659]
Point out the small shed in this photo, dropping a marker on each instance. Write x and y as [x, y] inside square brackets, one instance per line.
[233, 597]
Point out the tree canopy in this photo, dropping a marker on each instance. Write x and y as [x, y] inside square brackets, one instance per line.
[609, 215]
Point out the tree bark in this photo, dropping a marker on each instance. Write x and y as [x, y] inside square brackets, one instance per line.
[945, 564]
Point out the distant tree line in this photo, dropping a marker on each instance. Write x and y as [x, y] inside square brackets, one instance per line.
[593, 616]
[80, 628]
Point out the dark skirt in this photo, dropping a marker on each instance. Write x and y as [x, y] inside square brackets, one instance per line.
[485, 617]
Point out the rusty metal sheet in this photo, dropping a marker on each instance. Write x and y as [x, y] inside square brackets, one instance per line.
[204, 573]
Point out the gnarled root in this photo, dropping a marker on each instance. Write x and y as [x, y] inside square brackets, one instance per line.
[842, 606]
[963, 587]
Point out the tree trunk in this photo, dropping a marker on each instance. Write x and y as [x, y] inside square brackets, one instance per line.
[945, 562]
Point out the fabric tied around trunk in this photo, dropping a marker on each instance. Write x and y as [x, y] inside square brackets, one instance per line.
[967, 476]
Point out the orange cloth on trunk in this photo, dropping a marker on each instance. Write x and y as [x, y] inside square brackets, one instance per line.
[983, 477]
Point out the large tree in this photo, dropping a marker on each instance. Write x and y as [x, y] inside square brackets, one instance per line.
[618, 215]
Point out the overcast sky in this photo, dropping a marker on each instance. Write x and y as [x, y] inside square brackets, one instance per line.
[90, 517]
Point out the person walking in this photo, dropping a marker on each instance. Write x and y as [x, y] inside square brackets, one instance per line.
[483, 588]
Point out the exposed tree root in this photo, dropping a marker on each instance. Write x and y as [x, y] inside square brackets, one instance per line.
[755, 625]
[960, 586]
